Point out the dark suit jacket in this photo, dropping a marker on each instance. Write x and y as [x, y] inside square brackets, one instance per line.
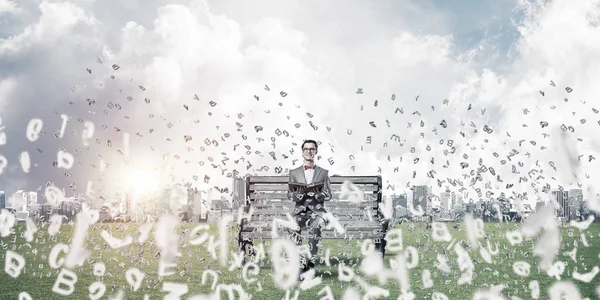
[304, 203]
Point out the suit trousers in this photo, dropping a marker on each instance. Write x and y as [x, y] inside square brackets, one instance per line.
[313, 222]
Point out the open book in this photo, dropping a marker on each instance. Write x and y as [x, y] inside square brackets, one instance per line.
[303, 188]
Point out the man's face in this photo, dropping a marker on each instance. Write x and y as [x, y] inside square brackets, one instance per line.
[309, 151]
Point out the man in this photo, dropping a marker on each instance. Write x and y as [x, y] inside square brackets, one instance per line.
[310, 204]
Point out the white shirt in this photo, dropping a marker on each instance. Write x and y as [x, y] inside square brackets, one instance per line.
[308, 175]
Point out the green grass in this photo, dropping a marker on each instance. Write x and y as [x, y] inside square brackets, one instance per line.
[38, 278]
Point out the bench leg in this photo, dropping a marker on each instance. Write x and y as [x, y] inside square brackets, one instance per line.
[247, 247]
[380, 246]
[380, 243]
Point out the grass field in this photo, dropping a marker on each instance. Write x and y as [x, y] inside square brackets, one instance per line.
[37, 278]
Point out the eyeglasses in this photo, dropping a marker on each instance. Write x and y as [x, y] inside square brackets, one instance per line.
[309, 149]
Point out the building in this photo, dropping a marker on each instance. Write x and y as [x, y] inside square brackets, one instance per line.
[239, 190]
[399, 200]
[127, 207]
[20, 201]
[576, 194]
[527, 210]
[575, 203]
[399, 203]
[2, 200]
[198, 206]
[403, 200]
[539, 205]
[421, 196]
[46, 211]
[32, 198]
[217, 204]
[70, 207]
[34, 212]
[457, 200]
[190, 203]
[562, 198]
[445, 199]
[400, 212]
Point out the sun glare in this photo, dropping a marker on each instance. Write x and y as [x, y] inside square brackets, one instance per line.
[142, 181]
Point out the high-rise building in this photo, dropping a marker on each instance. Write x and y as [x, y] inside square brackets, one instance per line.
[562, 198]
[216, 204]
[576, 195]
[239, 191]
[421, 197]
[457, 200]
[575, 202]
[46, 211]
[2, 200]
[398, 200]
[18, 201]
[128, 204]
[399, 203]
[198, 209]
[32, 198]
[69, 208]
[445, 201]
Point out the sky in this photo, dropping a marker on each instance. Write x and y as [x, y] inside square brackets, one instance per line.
[204, 88]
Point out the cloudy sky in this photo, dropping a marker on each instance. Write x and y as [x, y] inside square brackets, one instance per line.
[235, 76]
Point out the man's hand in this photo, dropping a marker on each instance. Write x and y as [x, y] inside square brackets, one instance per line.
[325, 192]
[320, 197]
[296, 197]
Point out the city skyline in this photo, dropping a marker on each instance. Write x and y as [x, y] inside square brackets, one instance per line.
[572, 198]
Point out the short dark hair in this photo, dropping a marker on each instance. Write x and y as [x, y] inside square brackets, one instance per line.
[310, 142]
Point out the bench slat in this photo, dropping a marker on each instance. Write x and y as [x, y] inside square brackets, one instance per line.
[284, 187]
[328, 205]
[338, 211]
[283, 209]
[352, 226]
[343, 219]
[341, 213]
[325, 235]
[290, 210]
[283, 195]
[265, 208]
[365, 228]
[333, 179]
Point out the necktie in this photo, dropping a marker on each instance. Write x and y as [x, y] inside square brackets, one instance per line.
[309, 167]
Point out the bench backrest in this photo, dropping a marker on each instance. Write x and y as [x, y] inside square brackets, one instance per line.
[268, 197]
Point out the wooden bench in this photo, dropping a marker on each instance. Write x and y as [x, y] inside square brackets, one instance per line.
[267, 195]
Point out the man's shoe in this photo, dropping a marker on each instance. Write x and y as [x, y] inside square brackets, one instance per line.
[302, 271]
[310, 265]
[303, 268]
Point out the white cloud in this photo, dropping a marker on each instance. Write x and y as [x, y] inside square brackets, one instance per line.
[6, 87]
[57, 19]
[9, 6]
[557, 44]
[221, 54]
[413, 50]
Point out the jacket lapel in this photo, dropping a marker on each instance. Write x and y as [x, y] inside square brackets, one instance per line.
[300, 174]
[316, 173]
